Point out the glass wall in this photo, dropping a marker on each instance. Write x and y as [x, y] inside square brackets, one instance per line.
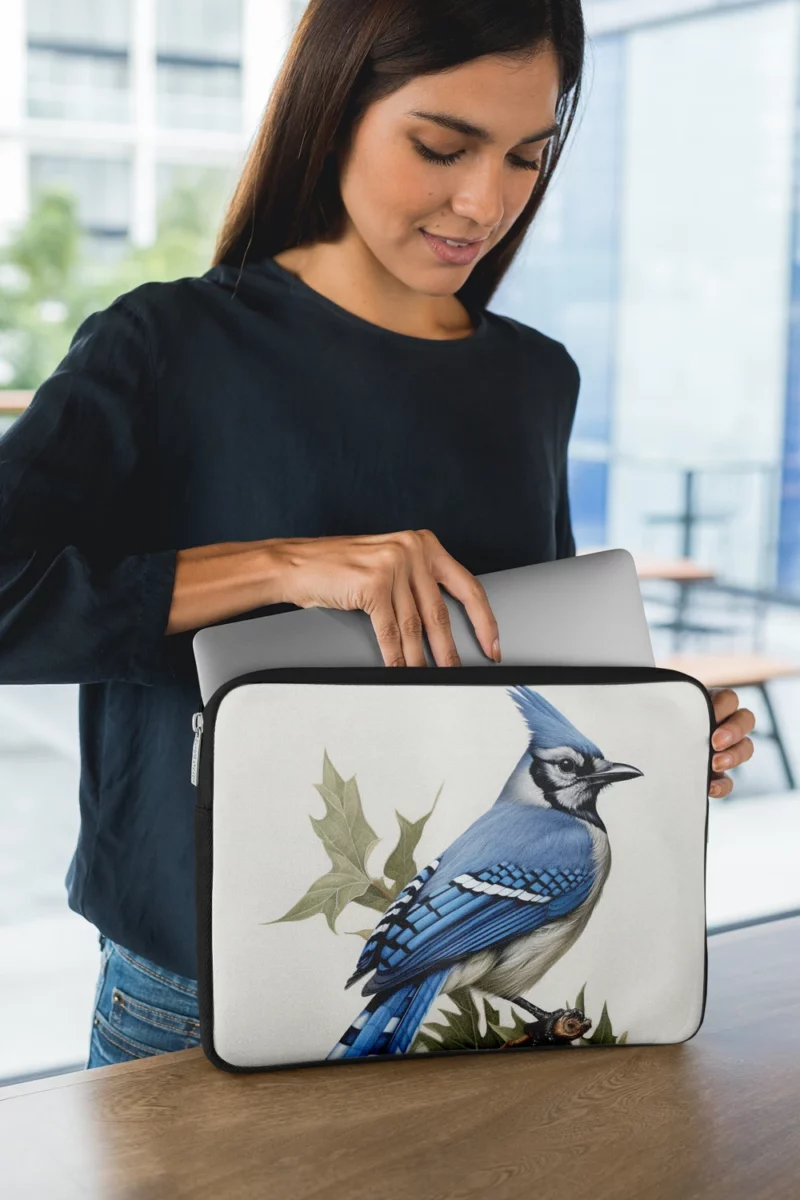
[662, 260]
[788, 550]
[102, 187]
[134, 108]
[704, 262]
[199, 70]
[80, 22]
[78, 60]
[566, 280]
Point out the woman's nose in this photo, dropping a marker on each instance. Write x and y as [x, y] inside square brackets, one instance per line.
[481, 199]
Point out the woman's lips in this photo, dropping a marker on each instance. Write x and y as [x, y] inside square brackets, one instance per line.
[457, 255]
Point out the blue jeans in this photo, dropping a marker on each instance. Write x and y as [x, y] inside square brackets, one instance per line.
[140, 1009]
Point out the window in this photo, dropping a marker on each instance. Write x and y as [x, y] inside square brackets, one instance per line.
[207, 187]
[198, 95]
[205, 28]
[199, 64]
[78, 60]
[102, 188]
[78, 86]
[88, 22]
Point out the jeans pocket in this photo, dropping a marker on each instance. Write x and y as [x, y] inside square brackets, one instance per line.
[143, 1009]
[151, 1028]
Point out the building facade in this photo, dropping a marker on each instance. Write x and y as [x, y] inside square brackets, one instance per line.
[120, 99]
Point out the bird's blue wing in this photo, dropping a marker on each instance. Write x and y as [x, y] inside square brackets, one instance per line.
[474, 911]
[371, 954]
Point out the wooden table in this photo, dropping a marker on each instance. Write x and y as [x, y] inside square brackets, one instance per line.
[738, 669]
[13, 403]
[713, 1117]
[735, 669]
[678, 570]
[685, 573]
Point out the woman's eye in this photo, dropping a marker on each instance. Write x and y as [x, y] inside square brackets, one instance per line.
[446, 160]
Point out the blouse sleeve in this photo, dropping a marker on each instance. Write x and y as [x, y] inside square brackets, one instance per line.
[565, 540]
[82, 598]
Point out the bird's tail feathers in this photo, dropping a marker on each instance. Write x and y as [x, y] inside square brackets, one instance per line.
[389, 1023]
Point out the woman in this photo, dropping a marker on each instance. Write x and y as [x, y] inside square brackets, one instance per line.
[328, 417]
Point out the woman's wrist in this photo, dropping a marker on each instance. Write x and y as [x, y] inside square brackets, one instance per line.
[273, 566]
[223, 580]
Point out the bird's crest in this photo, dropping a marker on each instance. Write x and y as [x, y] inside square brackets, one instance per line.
[546, 725]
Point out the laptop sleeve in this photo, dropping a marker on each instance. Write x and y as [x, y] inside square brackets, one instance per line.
[428, 861]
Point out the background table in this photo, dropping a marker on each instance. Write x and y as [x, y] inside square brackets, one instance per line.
[685, 574]
[742, 670]
[713, 1117]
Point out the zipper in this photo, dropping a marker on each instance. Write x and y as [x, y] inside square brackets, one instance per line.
[497, 674]
[197, 726]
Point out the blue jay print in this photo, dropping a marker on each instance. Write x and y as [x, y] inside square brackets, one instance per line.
[504, 901]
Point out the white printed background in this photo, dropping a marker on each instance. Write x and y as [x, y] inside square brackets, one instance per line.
[279, 989]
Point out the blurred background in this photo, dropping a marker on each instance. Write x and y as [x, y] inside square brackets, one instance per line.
[666, 257]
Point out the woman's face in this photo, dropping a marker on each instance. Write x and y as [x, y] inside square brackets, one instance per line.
[392, 188]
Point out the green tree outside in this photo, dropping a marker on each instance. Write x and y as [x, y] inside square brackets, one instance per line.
[50, 280]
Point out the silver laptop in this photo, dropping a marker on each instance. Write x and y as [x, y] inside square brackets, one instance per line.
[585, 610]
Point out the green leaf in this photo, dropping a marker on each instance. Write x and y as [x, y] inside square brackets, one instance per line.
[348, 839]
[603, 1033]
[331, 779]
[510, 1033]
[328, 895]
[366, 934]
[373, 898]
[344, 830]
[492, 1015]
[425, 1040]
[623, 1037]
[461, 1030]
[400, 865]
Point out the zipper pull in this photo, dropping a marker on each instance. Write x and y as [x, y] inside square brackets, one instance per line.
[197, 726]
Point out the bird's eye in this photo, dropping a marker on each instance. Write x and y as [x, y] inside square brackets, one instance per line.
[567, 764]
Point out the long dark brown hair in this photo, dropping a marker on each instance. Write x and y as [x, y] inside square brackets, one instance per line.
[346, 54]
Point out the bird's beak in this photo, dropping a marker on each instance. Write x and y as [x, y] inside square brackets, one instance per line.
[613, 772]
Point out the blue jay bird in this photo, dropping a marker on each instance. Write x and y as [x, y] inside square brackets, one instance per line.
[505, 900]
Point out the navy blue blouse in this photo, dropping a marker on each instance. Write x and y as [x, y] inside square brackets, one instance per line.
[233, 408]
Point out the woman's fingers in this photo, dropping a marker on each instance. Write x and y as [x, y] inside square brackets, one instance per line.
[436, 616]
[725, 702]
[387, 630]
[724, 760]
[464, 586]
[410, 622]
[394, 578]
[733, 729]
[733, 723]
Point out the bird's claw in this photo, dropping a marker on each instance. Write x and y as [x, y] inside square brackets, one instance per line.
[567, 1024]
[562, 1025]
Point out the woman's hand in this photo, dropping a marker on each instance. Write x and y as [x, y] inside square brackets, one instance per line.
[394, 578]
[729, 738]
